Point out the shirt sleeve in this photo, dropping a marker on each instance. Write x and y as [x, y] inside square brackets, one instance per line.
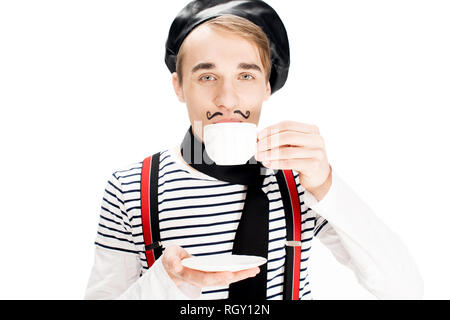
[117, 271]
[361, 241]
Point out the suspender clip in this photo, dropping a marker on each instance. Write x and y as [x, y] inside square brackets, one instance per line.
[293, 243]
[153, 246]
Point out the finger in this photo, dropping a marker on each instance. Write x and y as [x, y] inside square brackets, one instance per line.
[302, 165]
[205, 279]
[244, 274]
[285, 153]
[291, 138]
[181, 252]
[172, 257]
[288, 126]
[174, 250]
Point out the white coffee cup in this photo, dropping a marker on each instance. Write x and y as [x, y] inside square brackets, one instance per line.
[230, 143]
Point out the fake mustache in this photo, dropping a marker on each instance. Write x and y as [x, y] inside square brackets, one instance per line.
[209, 116]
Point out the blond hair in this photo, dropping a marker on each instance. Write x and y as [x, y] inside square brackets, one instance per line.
[241, 27]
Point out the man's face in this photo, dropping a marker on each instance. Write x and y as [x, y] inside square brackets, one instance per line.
[223, 79]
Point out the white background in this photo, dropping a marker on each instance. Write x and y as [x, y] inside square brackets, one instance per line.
[84, 91]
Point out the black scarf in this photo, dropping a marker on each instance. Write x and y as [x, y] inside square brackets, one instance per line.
[252, 234]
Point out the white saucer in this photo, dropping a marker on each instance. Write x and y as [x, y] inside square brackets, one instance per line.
[230, 262]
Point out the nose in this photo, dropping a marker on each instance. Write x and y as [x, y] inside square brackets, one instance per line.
[226, 95]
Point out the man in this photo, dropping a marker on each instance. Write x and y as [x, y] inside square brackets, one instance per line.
[227, 58]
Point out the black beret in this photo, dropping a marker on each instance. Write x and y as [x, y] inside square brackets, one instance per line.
[257, 11]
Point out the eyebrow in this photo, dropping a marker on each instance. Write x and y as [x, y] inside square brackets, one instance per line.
[209, 66]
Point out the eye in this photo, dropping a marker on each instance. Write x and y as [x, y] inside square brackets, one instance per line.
[204, 78]
[246, 75]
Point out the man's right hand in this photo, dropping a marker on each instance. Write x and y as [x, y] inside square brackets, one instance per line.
[171, 260]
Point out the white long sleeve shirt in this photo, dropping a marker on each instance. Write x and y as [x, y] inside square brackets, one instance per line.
[201, 214]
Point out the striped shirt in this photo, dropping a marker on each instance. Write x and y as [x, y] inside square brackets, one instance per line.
[200, 214]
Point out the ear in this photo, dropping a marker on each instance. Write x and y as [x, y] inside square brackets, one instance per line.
[177, 87]
[268, 91]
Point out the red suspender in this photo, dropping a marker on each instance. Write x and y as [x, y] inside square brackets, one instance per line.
[145, 209]
[297, 231]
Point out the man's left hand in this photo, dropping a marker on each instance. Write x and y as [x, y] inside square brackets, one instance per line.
[296, 146]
